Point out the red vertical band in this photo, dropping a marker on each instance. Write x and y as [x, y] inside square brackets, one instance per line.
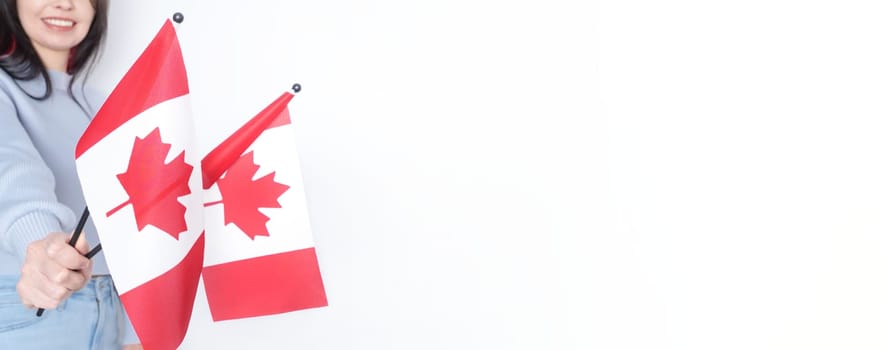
[157, 75]
[264, 285]
[161, 308]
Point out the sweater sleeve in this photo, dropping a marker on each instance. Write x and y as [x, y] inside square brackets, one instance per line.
[29, 208]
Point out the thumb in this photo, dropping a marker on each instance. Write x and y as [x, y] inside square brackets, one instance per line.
[81, 245]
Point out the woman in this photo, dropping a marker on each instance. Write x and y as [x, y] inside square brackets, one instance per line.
[45, 47]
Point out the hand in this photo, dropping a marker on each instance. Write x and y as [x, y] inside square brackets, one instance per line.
[53, 270]
[132, 347]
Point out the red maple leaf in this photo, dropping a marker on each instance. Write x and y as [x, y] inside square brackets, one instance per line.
[154, 186]
[242, 196]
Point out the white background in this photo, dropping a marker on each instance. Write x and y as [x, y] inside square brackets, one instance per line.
[621, 174]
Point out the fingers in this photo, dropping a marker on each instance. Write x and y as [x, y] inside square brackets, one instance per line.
[36, 291]
[85, 273]
[62, 276]
[58, 249]
[66, 266]
[52, 271]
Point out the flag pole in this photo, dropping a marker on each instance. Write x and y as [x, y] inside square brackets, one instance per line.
[226, 153]
[94, 251]
[73, 241]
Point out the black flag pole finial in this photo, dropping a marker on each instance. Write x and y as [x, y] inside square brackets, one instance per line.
[296, 88]
[178, 17]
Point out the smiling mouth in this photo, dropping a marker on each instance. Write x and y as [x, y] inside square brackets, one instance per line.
[58, 22]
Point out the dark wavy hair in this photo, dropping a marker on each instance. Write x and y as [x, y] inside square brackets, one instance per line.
[19, 59]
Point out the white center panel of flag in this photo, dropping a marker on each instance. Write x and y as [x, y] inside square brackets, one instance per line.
[288, 226]
[121, 239]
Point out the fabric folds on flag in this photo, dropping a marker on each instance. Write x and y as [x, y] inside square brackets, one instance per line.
[260, 256]
[138, 165]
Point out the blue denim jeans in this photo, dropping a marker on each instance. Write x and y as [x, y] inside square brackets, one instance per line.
[92, 318]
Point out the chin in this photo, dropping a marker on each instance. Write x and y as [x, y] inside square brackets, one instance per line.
[62, 46]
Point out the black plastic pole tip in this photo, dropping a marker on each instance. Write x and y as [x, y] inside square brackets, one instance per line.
[296, 88]
[178, 17]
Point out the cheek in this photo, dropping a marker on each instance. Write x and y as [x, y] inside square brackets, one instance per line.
[28, 13]
[88, 20]
[29, 26]
[88, 11]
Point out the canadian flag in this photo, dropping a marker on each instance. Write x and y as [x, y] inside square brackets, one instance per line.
[138, 166]
[260, 257]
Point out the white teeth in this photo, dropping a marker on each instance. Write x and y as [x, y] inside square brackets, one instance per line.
[59, 22]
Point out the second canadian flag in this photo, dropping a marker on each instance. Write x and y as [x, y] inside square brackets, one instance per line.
[259, 257]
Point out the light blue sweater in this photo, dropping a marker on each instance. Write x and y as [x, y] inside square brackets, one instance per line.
[39, 189]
